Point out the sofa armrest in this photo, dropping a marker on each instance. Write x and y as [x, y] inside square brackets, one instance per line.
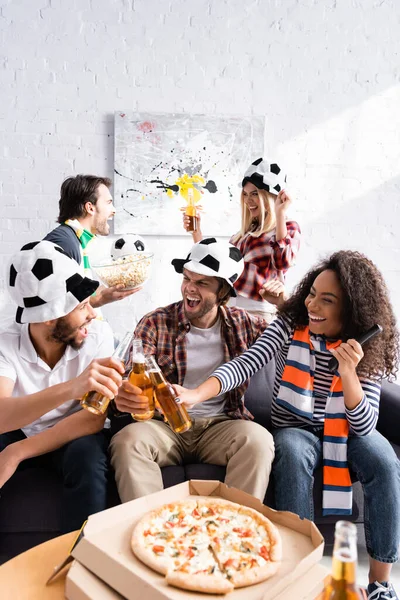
[389, 412]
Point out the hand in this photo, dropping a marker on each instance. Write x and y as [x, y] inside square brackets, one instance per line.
[187, 397]
[348, 355]
[106, 295]
[282, 203]
[10, 458]
[274, 292]
[185, 218]
[103, 375]
[130, 399]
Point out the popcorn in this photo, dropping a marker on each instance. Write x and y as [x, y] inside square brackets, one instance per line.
[130, 271]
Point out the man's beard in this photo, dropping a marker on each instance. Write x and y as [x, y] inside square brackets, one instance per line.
[208, 306]
[65, 334]
[102, 227]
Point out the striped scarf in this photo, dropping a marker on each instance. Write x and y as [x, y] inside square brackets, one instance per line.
[296, 394]
[85, 237]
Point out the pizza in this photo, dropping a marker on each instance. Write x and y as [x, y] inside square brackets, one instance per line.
[208, 544]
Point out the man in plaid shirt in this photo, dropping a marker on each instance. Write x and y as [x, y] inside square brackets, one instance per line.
[190, 339]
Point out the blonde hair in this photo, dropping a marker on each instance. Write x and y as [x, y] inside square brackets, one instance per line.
[267, 217]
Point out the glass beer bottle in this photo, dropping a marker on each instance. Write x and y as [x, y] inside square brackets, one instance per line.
[175, 413]
[191, 211]
[140, 377]
[95, 402]
[342, 584]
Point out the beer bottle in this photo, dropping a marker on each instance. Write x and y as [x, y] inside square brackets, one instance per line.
[175, 413]
[191, 211]
[140, 377]
[95, 402]
[342, 584]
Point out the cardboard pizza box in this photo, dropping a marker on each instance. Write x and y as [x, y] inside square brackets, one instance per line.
[81, 584]
[105, 547]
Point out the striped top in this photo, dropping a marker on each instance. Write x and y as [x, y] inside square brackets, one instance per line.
[275, 342]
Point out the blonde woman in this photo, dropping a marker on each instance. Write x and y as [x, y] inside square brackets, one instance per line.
[268, 242]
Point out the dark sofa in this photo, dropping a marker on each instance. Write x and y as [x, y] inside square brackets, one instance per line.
[30, 501]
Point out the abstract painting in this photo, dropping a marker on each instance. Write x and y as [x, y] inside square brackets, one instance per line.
[160, 157]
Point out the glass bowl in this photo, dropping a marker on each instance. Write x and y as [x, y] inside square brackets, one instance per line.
[132, 270]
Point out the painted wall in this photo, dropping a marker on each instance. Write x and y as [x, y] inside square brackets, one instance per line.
[324, 72]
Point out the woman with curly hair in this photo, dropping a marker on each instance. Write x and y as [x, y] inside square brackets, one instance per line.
[329, 418]
[268, 241]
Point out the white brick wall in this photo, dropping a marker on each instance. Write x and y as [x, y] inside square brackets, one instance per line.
[324, 72]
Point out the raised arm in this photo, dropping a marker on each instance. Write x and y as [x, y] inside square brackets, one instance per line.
[286, 248]
[196, 235]
[282, 203]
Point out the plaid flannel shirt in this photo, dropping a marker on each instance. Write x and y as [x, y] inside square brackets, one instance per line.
[266, 258]
[163, 333]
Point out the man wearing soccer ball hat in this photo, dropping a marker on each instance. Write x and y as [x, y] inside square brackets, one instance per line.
[190, 339]
[49, 359]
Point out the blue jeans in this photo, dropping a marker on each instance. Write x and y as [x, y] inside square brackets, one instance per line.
[83, 466]
[298, 452]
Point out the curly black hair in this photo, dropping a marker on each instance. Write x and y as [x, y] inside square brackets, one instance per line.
[365, 302]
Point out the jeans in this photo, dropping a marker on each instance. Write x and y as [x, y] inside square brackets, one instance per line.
[298, 452]
[83, 466]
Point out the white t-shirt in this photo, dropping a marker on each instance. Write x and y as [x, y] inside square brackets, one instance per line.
[20, 362]
[204, 353]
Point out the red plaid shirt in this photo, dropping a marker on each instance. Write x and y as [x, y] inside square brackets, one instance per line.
[266, 258]
[163, 332]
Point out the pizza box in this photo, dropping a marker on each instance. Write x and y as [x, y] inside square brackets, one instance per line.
[81, 584]
[105, 547]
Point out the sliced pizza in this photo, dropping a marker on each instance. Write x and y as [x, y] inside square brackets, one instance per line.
[208, 544]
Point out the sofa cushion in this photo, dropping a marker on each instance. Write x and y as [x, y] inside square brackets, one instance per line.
[205, 471]
[173, 475]
[30, 501]
[389, 413]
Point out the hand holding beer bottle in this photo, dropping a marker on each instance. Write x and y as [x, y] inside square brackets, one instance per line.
[140, 377]
[191, 212]
[195, 212]
[176, 414]
[96, 402]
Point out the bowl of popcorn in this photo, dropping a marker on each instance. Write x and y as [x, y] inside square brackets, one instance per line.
[132, 270]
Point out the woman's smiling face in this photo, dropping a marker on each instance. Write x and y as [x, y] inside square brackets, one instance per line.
[252, 200]
[324, 305]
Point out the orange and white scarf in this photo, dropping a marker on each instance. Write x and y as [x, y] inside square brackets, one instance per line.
[296, 394]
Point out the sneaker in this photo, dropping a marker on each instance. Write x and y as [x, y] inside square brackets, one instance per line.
[381, 591]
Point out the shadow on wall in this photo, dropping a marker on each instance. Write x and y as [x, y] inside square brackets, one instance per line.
[368, 223]
[311, 47]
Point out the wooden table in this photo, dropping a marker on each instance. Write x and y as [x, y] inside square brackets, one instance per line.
[24, 577]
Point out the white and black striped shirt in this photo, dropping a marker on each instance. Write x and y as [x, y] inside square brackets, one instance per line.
[275, 341]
